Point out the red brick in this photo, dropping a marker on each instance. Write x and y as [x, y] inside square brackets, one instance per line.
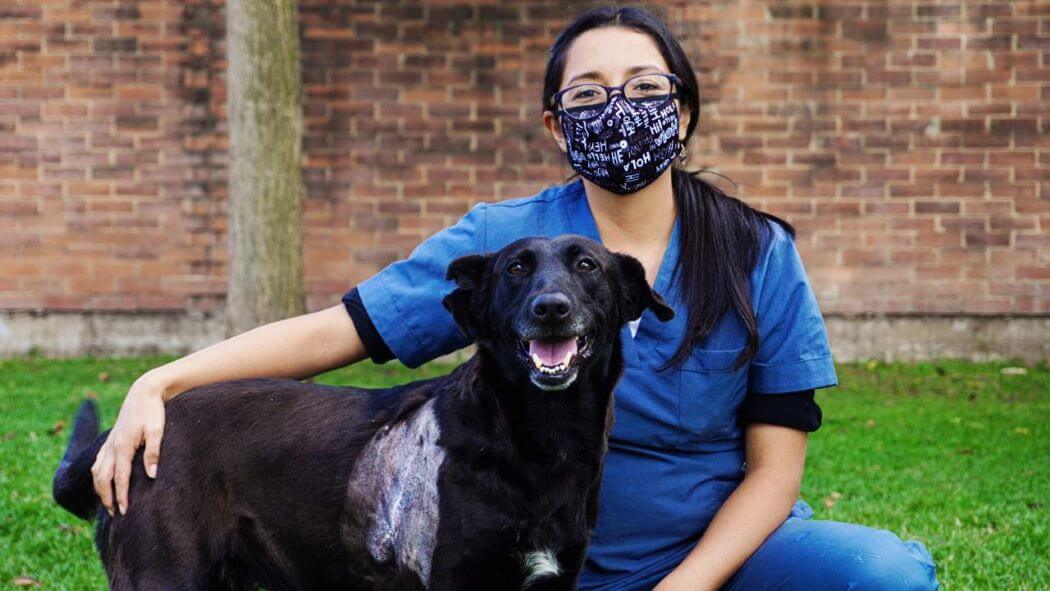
[869, 126]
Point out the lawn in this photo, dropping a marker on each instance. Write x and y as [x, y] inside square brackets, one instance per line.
[954, 454]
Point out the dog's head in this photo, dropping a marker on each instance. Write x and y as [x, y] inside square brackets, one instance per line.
[544, 307]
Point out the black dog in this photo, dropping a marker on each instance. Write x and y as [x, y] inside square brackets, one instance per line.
[486, 478]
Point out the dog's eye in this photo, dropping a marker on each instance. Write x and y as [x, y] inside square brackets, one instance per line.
[586, 265]
[516, 268]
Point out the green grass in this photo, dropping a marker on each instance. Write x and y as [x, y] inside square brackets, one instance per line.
[950, 453]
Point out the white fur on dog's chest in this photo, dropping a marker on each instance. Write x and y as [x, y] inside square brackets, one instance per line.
[398, 471]
[539, 564]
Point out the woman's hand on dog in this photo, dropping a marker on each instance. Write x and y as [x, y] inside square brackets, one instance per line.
[141, 420]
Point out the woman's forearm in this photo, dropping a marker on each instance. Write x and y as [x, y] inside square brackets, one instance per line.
[776, 456]
[756, 508]
[297, 347]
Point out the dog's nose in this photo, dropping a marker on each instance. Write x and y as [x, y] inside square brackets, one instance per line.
[551, 306]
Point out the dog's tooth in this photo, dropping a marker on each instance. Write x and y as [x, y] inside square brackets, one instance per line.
[536, 361]
[568, 357]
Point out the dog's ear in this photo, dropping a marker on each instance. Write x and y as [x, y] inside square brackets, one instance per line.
[636, 293]
[468, 272]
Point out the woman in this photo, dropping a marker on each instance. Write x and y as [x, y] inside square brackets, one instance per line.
[712, 414]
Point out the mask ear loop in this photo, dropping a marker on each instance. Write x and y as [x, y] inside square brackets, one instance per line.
[683, 156]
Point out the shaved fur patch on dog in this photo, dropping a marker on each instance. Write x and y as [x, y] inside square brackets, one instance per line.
[398, 469]
[539, 564]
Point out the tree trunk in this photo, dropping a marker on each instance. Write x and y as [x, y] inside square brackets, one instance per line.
[265, 116]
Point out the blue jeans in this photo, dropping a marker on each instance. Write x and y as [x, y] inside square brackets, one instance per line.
[806, 554]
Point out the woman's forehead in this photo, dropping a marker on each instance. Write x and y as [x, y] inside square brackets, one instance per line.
[609, 55]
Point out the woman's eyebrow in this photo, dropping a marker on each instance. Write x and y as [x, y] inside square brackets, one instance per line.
[596, 75]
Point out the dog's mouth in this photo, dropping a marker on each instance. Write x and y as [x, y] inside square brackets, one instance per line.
[554, 360]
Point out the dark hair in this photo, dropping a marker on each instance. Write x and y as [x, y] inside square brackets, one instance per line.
[720, 236]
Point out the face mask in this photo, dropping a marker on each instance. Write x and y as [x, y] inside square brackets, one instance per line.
[626, 146]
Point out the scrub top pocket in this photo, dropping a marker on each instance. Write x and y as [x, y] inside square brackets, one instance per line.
[709, 392]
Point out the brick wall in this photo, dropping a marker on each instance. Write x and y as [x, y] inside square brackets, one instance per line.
[907, 141]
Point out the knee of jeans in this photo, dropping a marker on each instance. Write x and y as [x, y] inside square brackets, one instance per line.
[887, 564]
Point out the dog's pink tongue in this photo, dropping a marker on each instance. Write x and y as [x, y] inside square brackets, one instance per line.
[552, 352]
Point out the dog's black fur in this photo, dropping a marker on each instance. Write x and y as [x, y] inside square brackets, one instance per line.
[253, 484]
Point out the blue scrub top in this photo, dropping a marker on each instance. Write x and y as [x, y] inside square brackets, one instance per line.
[675, 451]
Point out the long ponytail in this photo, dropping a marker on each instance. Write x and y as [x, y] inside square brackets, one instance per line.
[719, 243]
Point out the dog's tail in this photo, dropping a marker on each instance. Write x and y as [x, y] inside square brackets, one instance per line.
[73, 487]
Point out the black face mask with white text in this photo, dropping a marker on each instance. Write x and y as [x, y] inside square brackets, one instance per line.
[626, 146]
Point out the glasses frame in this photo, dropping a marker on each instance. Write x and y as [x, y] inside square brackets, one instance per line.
[559, 109]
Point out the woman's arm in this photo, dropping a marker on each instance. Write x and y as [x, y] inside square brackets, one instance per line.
[775, 459]
[297, 347]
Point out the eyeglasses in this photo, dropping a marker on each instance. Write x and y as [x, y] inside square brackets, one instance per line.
[585, 101]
